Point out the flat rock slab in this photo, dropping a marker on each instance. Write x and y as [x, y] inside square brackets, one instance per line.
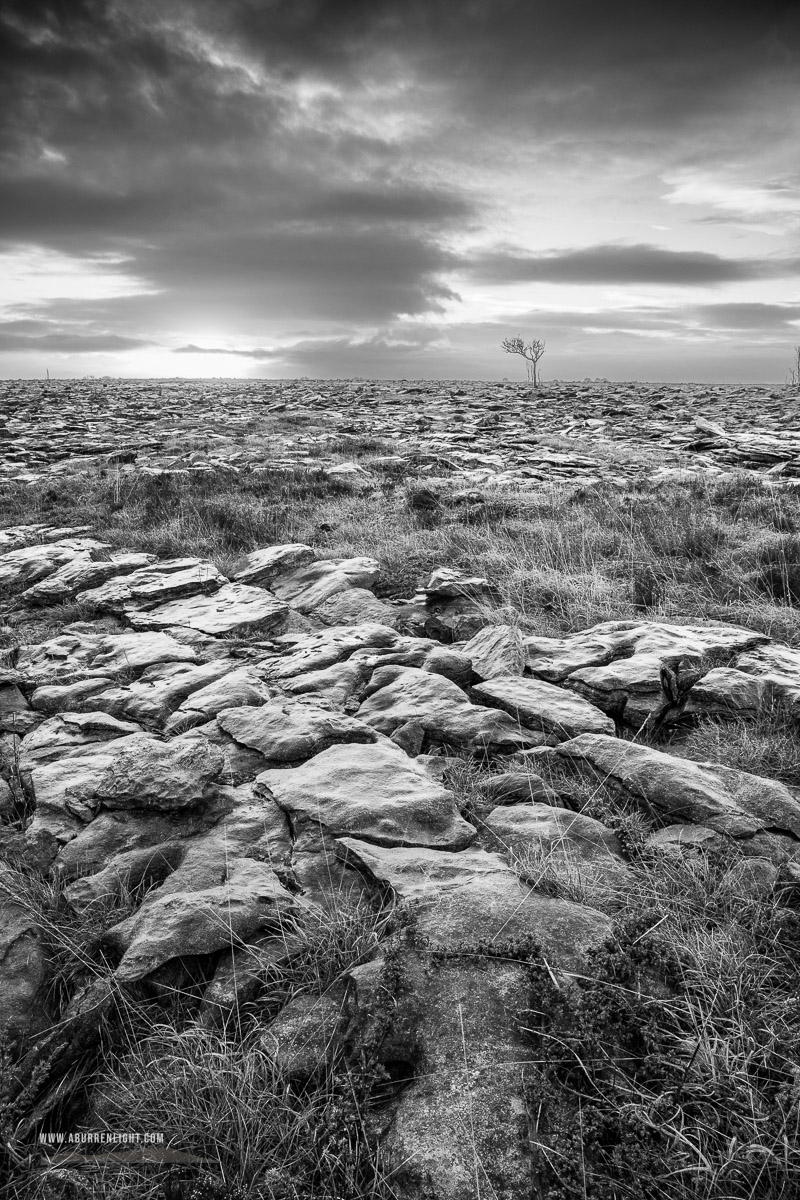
[473, 896]
[261, 567]
[467, 1104]
[541, 706]
[69, 732]
[75, 656]
[778, 667]
[234, 608]
[555, 659]
[178, 923]
[290, 731]
[728, 801]
[159, 690]
[315, 652]
[728, 692]
[115, 834]
[371, 792]
[85, 571]
[448, 583]
[17, 536]
[306, 588]
[183, 858]
[28, 564]
[538, 834]
[398, 696]
[516, 787]
[135, 772]
[353, 606]
[166, 580]
[241, 687]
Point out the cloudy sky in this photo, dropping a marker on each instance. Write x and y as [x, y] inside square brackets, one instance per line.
[391, 187]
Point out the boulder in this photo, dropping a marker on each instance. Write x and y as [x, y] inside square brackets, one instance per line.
[353, 606]
[291, 731]
[315, 652]
[306, 588]
[155, 584]
[80, 655]
[238, 974]
[399, 695]
[69, 732]
[261, 567]
[159, 690]
[543, 707]
[496, 650]
[455, 1047]
[234, 608]
[556, 659]
[517, 787]
[372, 792]
[727, 692]
[69, 697]
[448, 583]
[537, 835]
[113, 835]
[85, 571]
[138, 771]
[15, 711]
[778, 668]
[728, 801]
[239, 688]
[337, 684]
[473, 897]
[423, 653]
[685, 837]
[176, 924]
[254, 829]
[26, 565]
[305, 1036]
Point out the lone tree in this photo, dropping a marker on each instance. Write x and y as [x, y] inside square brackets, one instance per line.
[793, 379]
[530, 351]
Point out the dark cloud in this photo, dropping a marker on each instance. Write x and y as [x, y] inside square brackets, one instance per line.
[615, 264]
[755, 317]
[69, 343]
[367, 274]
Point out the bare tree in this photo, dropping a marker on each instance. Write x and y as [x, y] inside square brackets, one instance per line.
[531, 351]
[794, 371]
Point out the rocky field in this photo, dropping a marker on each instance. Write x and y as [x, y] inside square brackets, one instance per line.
[400, 791]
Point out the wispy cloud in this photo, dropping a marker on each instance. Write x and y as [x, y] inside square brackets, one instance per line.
[256, 353]
[730, 195]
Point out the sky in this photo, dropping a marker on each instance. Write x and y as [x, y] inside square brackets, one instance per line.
[389, 188]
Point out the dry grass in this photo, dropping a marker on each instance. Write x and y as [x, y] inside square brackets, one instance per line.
[671, 1071]
[767, 745]
[564, 557]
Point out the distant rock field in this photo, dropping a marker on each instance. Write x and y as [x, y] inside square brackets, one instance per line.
[479, 431]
